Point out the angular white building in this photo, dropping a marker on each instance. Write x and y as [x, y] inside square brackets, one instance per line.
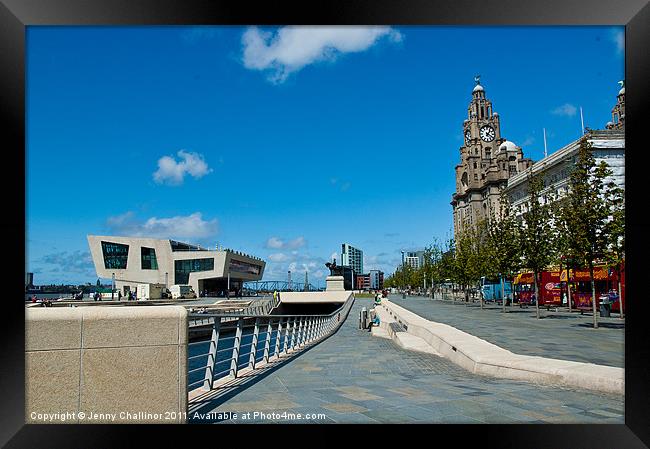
[137, 260]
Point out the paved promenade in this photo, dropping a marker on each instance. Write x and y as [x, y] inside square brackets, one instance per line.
[558, 335]
[353, 377]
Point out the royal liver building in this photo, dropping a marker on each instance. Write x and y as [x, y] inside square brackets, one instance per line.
[487, 160]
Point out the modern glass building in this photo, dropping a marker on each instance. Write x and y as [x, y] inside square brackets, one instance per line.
[352, 257]
[136, 260]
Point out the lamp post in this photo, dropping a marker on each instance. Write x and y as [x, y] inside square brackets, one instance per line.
[112, 286]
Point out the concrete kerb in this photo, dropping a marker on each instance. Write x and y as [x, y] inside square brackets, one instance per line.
[481, 357]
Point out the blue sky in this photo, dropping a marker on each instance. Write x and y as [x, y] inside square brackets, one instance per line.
[283, 142]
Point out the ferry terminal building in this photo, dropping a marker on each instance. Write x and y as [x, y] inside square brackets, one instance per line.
[136, 260]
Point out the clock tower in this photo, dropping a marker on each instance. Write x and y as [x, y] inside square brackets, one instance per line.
[487, 160]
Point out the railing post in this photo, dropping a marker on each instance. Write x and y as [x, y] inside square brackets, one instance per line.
[267, 343]
[305, 338]
[256, 333]
[235, 349]
[286, 337]
[312, 328]
[321, 320]
[278, 335]
[212, 355]
[293, 334]
[301, 332]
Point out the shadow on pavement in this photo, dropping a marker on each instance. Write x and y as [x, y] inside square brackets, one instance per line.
[605, 325]
[210, 400]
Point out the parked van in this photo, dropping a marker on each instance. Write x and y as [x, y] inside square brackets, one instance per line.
[151, 291]
[491, 289]
[182, 291]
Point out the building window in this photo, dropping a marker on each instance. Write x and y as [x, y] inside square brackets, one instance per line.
[475, 165]
[488, 153]
[183, 268]
[115, 255]
[475, 177]
[180, 246]
[148, 258]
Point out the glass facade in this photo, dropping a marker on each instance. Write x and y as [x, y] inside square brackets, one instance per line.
[183, 268]
[148, 258]
[180, 246]
[244, 267]
[115, 255]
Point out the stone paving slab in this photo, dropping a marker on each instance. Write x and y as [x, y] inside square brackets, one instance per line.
[386, 384]
[557, 335]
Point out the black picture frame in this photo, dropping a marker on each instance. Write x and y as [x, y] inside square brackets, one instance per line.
[16, 15]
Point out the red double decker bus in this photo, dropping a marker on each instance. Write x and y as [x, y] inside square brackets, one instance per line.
[553, 289]
[550, 291]
[606, 283]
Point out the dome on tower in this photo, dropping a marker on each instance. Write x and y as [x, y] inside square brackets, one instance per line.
[495, 114]
[508, 146]
[478, 88]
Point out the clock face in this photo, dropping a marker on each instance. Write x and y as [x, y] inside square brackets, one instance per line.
[487, 133]
[468, 136]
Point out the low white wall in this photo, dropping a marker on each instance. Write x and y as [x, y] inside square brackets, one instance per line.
[481, 357]
[106, 364]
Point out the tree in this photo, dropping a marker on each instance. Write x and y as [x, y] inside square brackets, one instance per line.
[615, 232]
[536, 231]
[502, 244]
[470, 257]
[587, 214]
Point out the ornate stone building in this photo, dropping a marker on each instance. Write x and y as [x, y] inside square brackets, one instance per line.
[487, 161]
[608, 145]
[618, 111]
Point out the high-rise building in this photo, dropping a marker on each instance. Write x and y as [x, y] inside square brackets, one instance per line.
[352, 257]
[29, 279]
[376, 279]
[414, 259]
[487, 161]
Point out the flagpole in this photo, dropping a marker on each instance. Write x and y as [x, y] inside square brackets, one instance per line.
[582, 121]
[545, 152]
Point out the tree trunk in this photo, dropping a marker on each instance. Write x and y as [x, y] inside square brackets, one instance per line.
[568, 286]
[620, 292]
[503, 294]
[593, 293]
[536, 296]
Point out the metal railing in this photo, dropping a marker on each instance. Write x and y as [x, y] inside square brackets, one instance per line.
[233, 307]
[281, 286]
[249, 341]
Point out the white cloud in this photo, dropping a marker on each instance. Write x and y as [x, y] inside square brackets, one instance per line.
[566, 109]
[293, 47]
[190, 226]
[278, 257]
[277, 243]
[172, 172]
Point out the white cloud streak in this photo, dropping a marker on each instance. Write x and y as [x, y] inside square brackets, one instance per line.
[567, 110]
[293, 47]
[172, 172]
[190, 226]
[277, 243]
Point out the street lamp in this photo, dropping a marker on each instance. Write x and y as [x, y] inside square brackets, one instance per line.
[112, 286]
